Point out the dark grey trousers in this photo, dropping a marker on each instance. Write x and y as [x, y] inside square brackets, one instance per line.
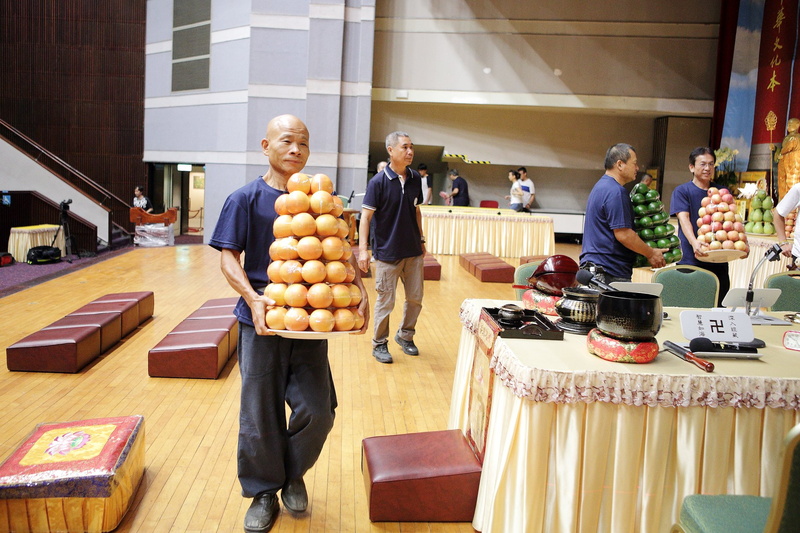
[275, 372]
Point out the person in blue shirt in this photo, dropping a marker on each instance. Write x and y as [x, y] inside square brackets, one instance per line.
[609, 240]
[459, 193]
[275, 371]
[685, 203]
[392, 199]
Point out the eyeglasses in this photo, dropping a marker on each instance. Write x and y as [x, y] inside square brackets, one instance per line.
[705, 165]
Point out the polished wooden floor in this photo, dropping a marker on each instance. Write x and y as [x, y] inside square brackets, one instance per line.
[191, 425]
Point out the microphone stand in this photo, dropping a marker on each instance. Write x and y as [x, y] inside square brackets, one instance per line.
[772, 254]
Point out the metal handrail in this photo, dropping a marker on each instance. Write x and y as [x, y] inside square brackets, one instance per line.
[65, 170]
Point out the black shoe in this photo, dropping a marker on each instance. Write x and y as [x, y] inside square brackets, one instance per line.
[409, 348]
[294, 495]
[381, 353]
[263, 512]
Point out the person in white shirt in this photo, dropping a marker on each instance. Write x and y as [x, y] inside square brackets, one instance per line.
[515, 195]
[789, 203]
[528, 190]
[427, 184]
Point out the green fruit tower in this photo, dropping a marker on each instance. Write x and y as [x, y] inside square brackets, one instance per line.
[652, 224]
[759, 218]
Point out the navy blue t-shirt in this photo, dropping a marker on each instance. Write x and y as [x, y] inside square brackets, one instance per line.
[396, 233]
[608, 208]
[245, 224]
[462, 198]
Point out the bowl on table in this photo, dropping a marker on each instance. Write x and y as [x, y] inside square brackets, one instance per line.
[629, 315]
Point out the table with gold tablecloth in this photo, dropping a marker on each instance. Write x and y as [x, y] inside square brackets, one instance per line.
[23, 238]
[576, 443]
[501, 232]
[740, 270]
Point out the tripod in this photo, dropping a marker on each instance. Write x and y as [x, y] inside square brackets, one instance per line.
[64, 219]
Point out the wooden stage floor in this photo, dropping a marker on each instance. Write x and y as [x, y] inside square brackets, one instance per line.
[191, 425]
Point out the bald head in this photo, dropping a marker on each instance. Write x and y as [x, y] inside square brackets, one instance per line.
[286, 146]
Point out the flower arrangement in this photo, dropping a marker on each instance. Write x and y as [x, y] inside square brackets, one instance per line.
[726, 167]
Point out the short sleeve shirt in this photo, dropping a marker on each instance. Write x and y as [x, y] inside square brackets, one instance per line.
[789, 203]
[396, 232]
[245, 225]
[608, 208]
[462, 199]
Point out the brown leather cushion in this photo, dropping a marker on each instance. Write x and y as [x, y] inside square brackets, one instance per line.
[211, 312]
[473, 266]
[55, 350]
[420, 477]
[432, 270]
[128, 310]
[229, 324]
[197, 354]
[110, 325]
[500, 272]
[146, 300]
[465, 259]
[221, 302]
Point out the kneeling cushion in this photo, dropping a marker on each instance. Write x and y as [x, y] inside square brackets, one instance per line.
[55, 350]
[197, 354]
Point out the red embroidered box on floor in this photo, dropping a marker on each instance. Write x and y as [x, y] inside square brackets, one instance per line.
[420, 477]
[73, 476]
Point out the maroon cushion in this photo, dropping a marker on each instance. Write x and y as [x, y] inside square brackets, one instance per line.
[221, 302]
[498, 272]
[211, 312]
[110, 325]
[197, 354]
[420, 477]
[55, 350]
[229, 324]
[146, 300]
[128, 309]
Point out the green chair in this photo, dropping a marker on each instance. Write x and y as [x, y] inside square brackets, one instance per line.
[789, 284]
[345, 200]
[521, 275]
[726, 513]
[687, 286]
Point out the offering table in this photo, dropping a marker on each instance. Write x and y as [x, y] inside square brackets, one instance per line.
[23, 238]
[500, 232]
[576, 443]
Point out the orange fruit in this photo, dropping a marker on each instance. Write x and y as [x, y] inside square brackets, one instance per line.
[299, 182]
[287, 248]
[295, 295]
[276, 292]
[327, 225]
[275, 318]
[355, 295]
[280, 205]
[296, 319]
[350, 272]
[303, 224]
[291, 271]
[321, 320]
[321, 202]
[344, 229]
[341, 295]
[314, 271]
[319, 295]
[338, 206]
[343, 320]
[321, 182]
[282, 227]
[309, 248]
[347, 251]
[274, 271]
[332, 248]
[297, 202]
[336, 272]
[359, 320]
[273, 250]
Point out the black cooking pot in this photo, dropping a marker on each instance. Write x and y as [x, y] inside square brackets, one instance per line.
[629, 315]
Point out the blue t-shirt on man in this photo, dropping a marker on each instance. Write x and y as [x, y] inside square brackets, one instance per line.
[609, 207]
[397, 234]
[245, 224]
[462, 198]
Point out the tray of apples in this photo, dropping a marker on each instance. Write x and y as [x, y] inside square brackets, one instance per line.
[309, 272]
[720, 228]
[791, 223]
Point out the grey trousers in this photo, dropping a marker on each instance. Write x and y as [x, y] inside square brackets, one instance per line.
[411, 271]
[275, 372]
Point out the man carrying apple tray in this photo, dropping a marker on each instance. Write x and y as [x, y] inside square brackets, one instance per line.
[687, 199]
[788, 203]
[275, 371]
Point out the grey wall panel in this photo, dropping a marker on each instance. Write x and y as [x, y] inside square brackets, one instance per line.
[221, 180]
[159, 21]
[325, 49]
[230, 62]
[323, 121]
[158, 75]
[278, 57]
[262, 110]
[211, 128]
[354, 126]
[230, 14]
[281, 7]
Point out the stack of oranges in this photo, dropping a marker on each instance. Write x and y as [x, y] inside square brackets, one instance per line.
[310, 276]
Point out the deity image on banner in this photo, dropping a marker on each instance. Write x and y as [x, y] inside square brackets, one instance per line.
[789, 162]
